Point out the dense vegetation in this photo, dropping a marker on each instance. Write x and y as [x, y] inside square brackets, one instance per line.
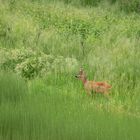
[43, 43]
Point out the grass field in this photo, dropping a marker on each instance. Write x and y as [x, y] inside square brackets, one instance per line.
[42, 46]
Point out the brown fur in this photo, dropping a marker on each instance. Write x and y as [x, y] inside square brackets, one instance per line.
[92, 86]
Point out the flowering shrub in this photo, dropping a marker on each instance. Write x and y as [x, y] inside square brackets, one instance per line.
[10, 58]
[30, 64]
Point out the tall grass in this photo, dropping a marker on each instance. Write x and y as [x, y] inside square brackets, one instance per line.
[59, 111]
[54, 104]
[110, 42]
[12, 88]
[123, 5]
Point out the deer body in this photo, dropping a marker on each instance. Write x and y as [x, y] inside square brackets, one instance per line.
[92, 86]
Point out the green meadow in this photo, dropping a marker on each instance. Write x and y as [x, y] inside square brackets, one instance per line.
[43, 44]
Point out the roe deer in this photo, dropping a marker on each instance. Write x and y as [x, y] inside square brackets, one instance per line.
[92, 86]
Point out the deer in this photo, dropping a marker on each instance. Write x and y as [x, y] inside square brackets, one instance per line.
[93, 86]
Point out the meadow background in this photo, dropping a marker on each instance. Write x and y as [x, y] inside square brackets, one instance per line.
[43, 43]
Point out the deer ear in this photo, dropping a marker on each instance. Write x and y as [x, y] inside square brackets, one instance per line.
[81, 71]
[81, 68]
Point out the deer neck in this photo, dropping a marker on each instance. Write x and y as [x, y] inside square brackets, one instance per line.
[84, 81]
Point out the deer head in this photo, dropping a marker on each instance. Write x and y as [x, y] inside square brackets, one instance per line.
[81, 75]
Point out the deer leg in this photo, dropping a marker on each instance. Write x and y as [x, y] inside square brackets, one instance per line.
[106, 94]
[92, 93]
[88, 92]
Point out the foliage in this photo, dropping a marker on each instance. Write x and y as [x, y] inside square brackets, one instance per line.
[30, 64]
[45, 42]
[130, 5]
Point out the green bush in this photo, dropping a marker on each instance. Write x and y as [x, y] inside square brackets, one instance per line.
[34, 66]
[130, 5]
[46, 64]
[30, 64]
[83, 2]
[10, 58]
[74, 2]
